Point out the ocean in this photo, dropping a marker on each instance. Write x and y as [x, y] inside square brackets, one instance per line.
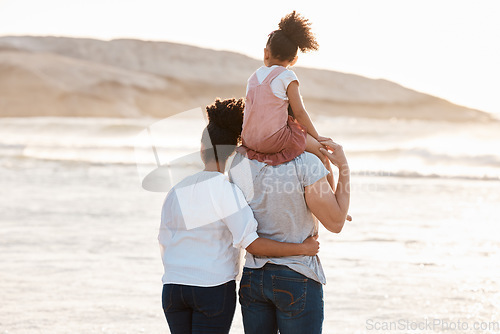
[78, 224]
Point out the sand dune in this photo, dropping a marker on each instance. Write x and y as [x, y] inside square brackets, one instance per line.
[56, 76]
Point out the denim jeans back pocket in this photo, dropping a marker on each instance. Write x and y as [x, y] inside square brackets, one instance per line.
[210, 300]
[245, 292]
[289, 294]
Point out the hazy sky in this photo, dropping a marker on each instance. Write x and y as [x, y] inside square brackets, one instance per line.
[448, 48]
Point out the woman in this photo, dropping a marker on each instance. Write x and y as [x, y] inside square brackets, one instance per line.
[205, 222]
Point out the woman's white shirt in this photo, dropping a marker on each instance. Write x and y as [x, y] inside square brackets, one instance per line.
[205, 222]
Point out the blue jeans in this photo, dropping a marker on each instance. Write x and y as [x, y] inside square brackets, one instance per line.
[193, 309]
[276, 297]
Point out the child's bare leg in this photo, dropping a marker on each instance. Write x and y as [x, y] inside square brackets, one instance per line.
[313, 146]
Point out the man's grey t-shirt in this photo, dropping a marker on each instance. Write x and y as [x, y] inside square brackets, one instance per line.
[276, 196]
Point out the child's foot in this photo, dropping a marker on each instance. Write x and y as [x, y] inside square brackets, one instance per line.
[327, 142]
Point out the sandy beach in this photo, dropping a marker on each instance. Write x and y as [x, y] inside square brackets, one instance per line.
[80, 254]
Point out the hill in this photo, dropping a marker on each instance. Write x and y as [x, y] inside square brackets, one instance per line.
[59, 76]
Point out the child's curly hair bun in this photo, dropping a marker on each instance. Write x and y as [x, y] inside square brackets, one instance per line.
[298, 30]
[225, 120]
[294, 33]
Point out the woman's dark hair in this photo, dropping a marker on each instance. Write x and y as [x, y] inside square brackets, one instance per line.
[294, 33]
[223, 132]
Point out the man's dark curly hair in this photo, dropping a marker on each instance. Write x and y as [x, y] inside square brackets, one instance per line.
[223, 132]
[294, 33]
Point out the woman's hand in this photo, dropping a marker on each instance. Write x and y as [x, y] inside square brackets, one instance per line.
[311, 246]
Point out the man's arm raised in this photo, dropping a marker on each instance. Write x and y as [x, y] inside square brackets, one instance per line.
[329, 203]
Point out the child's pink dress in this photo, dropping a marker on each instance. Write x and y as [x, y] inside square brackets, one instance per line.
[269, 134]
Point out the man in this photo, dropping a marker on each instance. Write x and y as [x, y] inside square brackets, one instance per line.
[286, 293]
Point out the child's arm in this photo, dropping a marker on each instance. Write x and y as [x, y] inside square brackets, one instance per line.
[299, 110]
[273, 248]
[301, 115]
